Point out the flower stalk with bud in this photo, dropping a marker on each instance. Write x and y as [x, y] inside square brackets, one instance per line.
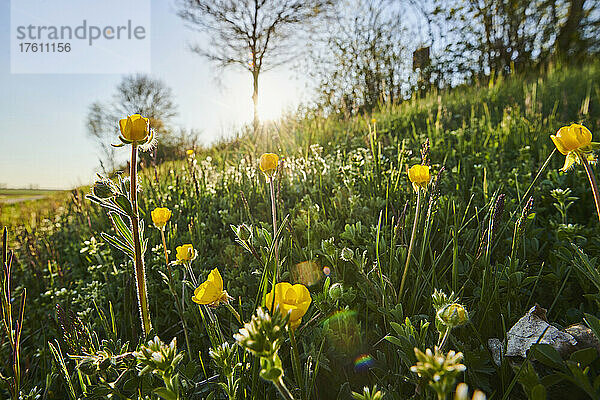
[419, 176]
[160, 359]
[268, 165]
[439, 370]
[263, 336]
[575, 142]
[160, 217]
[121, 202]
[449, 314]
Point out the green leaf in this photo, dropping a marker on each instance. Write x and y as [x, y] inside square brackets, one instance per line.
[165, 393]
[394, 340]
[118, 244]
[580, 378]
[551, 379]
[593, 323]
[397, 327]
[584, 357]
[123, 202]
[326, 286]
[538, 392]
[547, 355]
[105, 204]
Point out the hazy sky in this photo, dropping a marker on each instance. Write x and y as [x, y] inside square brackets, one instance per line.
[43, 139]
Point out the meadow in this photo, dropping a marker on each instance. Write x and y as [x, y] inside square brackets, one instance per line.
[498, 230]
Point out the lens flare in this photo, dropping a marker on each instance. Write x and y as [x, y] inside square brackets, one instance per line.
[307, 273]
[343, 332]
[363, 362]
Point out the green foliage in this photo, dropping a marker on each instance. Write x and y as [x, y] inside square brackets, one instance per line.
[346, 212]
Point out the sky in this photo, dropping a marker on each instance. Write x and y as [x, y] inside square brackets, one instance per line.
[43, 139]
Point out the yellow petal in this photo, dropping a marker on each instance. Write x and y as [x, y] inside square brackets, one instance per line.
[216, 279]
[275, 297]
[560, 146]
[582, 134]
[206, 293]
[294, 300]
[419, 175]
[122, 124]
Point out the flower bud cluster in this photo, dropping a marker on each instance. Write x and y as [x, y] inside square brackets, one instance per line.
[263, 336]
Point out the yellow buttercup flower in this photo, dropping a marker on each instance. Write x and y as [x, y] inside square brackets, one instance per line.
[211, 292]
[420, 176]
[292, 299]
[574, 141]
[185, 253]
[135, 128]
[190, 152]
[160, 217]
[268, 164]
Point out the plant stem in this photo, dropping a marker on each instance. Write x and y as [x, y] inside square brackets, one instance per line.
[295, 357]
[164, 242]
[593, 184]
[177, 304]
[188, 265]
[182, 319]
[234, 312]
[140, 273]
[410, 246]
[283, 390]
[442, 342]
[274, 213]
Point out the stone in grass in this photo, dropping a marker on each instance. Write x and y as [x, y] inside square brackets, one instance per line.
[527, 331]
[525, 334]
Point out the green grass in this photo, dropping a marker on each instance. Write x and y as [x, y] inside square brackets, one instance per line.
[343, 187]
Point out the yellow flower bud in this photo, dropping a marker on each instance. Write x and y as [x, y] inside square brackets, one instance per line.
[453, 315]
[268, 164]
[185, 253]
[160, 217]
[135, 128]
[210, 292]
[292, 299]
[190, 152]
[419, 175]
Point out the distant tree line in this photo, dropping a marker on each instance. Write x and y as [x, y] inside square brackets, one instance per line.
[363, 56]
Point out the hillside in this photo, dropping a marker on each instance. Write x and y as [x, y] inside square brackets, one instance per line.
[348, 210]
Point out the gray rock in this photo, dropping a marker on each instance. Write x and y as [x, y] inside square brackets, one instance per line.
[526, 332]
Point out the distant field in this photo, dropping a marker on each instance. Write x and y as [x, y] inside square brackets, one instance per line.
[11, 196]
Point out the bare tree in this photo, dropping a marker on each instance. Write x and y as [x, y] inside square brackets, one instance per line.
[359, 59]
[255, 35]
[139, 94]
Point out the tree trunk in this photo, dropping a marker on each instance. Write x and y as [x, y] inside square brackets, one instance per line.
[568, 35]
[255, 123]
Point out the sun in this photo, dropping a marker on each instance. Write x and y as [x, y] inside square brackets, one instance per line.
[278, 93]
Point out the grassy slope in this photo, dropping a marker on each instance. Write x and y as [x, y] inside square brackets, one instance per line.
[345, 188]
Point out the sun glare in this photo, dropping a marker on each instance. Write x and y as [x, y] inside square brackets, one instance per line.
[278, 93]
